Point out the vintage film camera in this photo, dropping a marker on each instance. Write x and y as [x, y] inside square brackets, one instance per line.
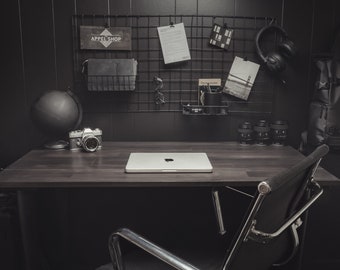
[87, 139]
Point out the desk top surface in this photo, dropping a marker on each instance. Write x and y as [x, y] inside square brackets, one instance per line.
[233, 164]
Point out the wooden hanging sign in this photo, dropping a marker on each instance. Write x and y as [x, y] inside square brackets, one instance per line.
[105, 38]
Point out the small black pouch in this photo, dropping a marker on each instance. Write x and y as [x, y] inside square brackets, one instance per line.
[110, 74]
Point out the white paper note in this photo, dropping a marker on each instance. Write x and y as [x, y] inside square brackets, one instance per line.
[174, 43]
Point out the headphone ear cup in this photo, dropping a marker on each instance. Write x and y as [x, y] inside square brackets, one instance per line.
[287, 48]
[275, 62]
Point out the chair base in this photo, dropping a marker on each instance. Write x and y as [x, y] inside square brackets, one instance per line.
[138, 259]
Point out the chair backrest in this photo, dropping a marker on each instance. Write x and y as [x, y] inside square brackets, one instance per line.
[277, 199]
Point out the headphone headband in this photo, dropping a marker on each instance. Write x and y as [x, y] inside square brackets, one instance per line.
[260, 34]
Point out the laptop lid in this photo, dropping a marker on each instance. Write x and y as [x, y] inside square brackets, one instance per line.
[168, 163]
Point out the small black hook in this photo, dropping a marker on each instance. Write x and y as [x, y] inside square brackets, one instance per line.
[172, 24]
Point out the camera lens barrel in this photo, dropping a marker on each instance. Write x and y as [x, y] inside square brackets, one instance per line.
[245, 133]
[90, 143]
[279, 130]
[262, 132]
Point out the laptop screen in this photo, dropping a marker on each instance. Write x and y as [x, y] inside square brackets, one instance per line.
[168, 163]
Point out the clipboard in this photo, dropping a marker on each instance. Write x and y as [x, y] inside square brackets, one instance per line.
[174, 43]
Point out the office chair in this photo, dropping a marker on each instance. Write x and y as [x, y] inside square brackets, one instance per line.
[268, 234]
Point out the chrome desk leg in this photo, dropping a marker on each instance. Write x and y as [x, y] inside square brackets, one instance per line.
[218, 212]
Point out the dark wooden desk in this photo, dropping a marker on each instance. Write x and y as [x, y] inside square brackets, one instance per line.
[233, 164]
[43, 210]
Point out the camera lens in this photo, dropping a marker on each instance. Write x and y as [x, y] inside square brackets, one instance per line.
[262, 131]
[90, 143]
[279, 132]
[245, 133]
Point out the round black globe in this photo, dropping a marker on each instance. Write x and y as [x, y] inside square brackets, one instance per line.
[56, 112]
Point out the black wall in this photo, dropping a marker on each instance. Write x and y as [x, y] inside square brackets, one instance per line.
[38, 57]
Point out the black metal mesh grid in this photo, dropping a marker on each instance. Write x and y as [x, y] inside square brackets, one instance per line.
[180, 79]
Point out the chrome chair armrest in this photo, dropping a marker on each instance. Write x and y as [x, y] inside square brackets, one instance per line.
[294, 220]
[146, 245]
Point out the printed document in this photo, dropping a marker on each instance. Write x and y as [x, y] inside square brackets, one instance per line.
[174, 43]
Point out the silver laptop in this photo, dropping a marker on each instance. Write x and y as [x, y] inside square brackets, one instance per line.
[168, 163]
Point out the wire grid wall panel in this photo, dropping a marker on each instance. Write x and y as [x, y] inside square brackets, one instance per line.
[180, 79]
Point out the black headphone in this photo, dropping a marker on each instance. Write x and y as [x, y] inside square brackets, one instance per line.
[275, 60]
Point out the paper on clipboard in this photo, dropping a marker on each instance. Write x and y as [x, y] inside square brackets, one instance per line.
[174, 43]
